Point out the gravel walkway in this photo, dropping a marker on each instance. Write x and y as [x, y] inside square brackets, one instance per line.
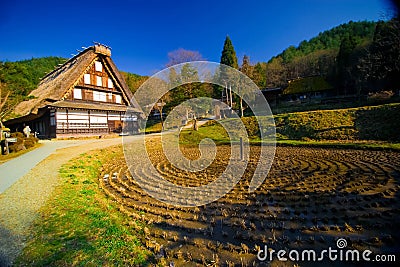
[12, 170]
[20, 202]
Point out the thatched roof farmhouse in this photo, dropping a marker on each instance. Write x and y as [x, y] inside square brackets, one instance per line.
[84, 96]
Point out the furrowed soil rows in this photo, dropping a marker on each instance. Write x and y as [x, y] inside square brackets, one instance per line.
[310, 198]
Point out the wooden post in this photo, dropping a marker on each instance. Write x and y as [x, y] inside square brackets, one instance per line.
[7, 148]
[4, 147]
[195, 126]
[241, 149]
[230, 91]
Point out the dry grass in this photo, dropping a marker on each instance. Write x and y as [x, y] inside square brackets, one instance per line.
[79, 225]
[311, 197]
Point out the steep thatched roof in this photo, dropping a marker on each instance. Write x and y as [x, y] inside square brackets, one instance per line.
[306, 85]
[54, 85]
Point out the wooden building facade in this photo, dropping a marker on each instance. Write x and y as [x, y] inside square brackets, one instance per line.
[85, 96]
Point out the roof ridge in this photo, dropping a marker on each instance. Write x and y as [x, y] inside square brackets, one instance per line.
[97, 48]
[66, 62]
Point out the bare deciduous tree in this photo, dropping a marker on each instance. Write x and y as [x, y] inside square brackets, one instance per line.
[182, 55]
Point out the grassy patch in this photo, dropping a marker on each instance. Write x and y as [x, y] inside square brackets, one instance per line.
[342, 144]
[371, 127]
[153, 127]
[375, 123]
[213, 131]
[364, 123]
[80, 226]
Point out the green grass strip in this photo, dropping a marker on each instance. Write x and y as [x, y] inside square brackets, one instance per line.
[80, 226]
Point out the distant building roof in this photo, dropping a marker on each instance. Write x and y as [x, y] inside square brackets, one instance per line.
[274, 89]
[307, 84]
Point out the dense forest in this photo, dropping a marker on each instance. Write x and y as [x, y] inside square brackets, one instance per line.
[18, 79]
[134, 81]
[314, 57]
[330, 39]
[22, 77]
[356, 57]
[353, 58]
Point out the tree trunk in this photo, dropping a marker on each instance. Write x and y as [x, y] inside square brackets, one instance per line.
[230, 90]
[241, 107]
[227, 94]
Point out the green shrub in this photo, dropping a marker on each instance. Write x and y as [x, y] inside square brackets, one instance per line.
[364, 123]
[251, 125]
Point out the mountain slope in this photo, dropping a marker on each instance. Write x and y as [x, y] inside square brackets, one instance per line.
[362, 31]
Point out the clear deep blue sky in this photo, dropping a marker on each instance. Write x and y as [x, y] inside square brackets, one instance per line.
[142, 32]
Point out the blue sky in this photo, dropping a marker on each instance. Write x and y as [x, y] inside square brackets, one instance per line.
[142, 32]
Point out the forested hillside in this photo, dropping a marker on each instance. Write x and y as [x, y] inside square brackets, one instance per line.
[331, 39]
[22, 77]
[18, 79]
[316, 56]
[134, 81]
[352, 57]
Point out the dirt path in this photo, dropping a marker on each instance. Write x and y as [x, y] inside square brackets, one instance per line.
[19, 204]
[14, 169]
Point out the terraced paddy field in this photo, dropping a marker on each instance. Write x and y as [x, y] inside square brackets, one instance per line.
[310, 198]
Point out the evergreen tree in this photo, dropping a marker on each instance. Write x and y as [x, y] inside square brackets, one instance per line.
[246, 68]
[385, 55]
[259, 74]
[228, 56]
[346, 49]
[344, 63]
